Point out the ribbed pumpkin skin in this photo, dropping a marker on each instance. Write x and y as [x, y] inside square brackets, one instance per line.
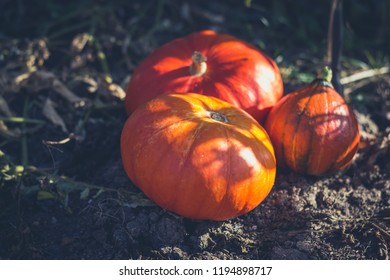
[237, 72]
[313, 130]
[194, 165]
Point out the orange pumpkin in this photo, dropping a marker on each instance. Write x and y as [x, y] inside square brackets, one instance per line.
[213, 64]
[198, 156]
[313, 130]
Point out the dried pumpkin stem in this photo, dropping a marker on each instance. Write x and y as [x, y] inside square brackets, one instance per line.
[198, 66]
[218, 117]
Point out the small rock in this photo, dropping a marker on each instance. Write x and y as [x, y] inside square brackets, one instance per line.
[173, 253]
[167, 231]
[138, 226]
[204, 241]
[304, 246]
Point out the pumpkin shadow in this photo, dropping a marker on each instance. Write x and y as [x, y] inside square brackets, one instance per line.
[339, 124]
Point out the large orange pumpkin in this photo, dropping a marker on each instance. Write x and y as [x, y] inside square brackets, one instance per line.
[213, 64]
[198, 156]
[313, 130]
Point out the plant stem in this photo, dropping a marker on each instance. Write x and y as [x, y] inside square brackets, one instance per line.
[364, 75]
[103, 61]
[24, 147]
[21, 120]
[335, 42]
[74, 185]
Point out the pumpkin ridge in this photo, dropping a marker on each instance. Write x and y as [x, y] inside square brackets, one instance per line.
[282, 148]
[259, 145]
[204, 106]
[345, 159]
[185, 158]
[161, 129]
[320, 152]
[210, 108]
[124, 141]
[308, 153]
[300, 115]
[267, 176]
[150, 188]
[155, 134]
[190, 146]
[342, 163]
[310, 142]
[227, 88]
[222, 206]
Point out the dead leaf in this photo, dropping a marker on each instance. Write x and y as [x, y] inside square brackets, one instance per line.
[92, 84]
[117, 91]
[31, 81]
[4, 108]
[52, 81]
[50, 112]
[44, 195]
[44, 75]
[21, 79]
[59, 87]
[79, 42]
[9, 133]
[98, 193]
[85, 193]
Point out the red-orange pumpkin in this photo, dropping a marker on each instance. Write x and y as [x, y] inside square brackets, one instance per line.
[313, 130]
[198, 156]
[212, 64]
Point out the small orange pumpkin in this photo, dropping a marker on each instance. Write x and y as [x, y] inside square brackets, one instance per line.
[198, 156]
[313, 130]
[209, 63]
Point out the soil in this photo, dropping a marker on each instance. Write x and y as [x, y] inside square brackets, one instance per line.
[73, 199]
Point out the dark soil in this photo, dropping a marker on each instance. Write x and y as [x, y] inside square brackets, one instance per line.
[73, 200]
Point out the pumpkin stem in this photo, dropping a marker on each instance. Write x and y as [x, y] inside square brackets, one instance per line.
[198, 66]
[218, 117]
[327, 74]
[325, 77]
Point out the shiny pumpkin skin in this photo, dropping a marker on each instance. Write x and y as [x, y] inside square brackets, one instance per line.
[237, 72]
[313, 130]
[198, 156]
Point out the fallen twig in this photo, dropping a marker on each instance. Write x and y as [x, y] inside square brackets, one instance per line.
[364, 75]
